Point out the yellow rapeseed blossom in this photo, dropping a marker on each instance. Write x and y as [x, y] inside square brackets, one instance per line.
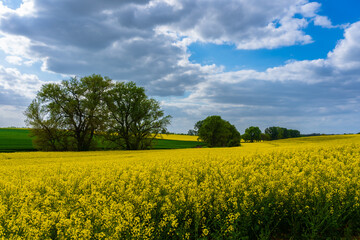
[297, 187]
[177, 137]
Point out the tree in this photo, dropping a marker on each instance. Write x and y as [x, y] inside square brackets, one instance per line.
[234, 138]
[135, 120]
[66, 116]
[265, 137]
[216, 132]
[45, 130]
[272, 132]
[280, 133]
[246, 137]
[252, 134]
[293, 133]
[197, 126]
[192, 132]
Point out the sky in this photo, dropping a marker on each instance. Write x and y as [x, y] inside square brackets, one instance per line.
[288, 63]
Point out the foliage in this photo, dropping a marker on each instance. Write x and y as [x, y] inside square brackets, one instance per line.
[197, 126]
[192, 132]
[252, 134]
[176, 144]
[135, 120]
[302, 188]
[293, 133]
[216, 132]
[281, 133]
[265, 137]
[69, 115]
[14, 140]
[66, 116]
[272, 132]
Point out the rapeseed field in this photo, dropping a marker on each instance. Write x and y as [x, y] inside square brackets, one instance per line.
[177, 137]
[304, 188]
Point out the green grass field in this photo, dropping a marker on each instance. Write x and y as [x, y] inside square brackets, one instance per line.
[13, 140]
[174, 144]
[16, 139]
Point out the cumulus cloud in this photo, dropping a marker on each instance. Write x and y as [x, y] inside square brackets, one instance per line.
[17, 88]
[81, 38]
[323, 21]
[346, 55]
[16, 60]
[145, 41]
[16, 92]
[312, 90]
[247, 24]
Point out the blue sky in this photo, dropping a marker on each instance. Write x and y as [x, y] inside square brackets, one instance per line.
[294, 64]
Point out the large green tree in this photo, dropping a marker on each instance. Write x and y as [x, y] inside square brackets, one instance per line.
[69, 115]
[66, 116]
[272, 132]
[45, 128]
[252, 134]
[135, 119]
[216, 132]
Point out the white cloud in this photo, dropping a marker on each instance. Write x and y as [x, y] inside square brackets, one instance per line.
[146, 41]
[247, 24]
[310, 9]
[16, 60]
[346, 55]
[308, 92]
[323, 21]
[14, 83]
[11, 116]
[18, 49]
[27, 8]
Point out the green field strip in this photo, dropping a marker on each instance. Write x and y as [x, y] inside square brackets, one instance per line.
[15, 140]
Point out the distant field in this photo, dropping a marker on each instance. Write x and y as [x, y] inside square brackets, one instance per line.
[178, 137]
[16, 139]
[176, 144]
[13, 139]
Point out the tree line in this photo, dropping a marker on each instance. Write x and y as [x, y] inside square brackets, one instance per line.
[210, 133]
[79, 114]
[271, 133]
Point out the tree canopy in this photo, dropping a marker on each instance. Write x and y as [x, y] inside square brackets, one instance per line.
[66, 116]
[69, 115]
[135, 120]
[280, 133]
[252, 134]
[216, 132]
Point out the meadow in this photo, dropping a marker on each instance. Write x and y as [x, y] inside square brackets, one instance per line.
[303, 188]
[15, 139]
[18, 139]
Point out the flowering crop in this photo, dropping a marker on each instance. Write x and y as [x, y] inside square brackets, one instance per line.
[178, 137]
[307, 188]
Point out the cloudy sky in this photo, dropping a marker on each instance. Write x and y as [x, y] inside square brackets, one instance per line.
[289, 63]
